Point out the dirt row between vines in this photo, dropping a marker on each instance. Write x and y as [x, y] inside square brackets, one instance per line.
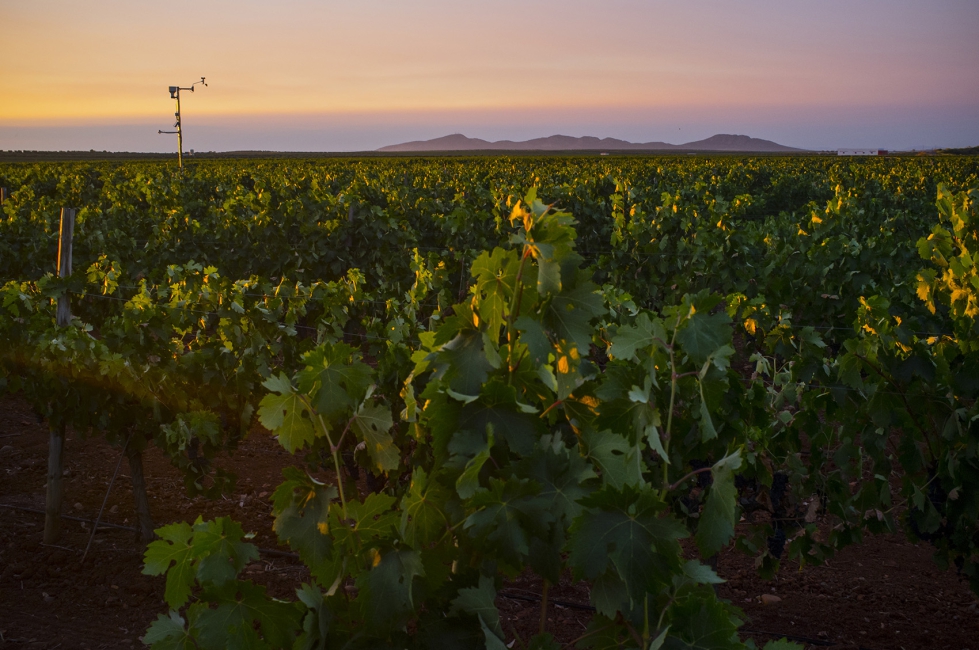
[883, 594]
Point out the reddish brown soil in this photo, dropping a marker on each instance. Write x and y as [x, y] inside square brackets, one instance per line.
[885, 593]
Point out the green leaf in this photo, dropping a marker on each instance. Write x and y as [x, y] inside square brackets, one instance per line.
[532, 335]
[371, 519]
[700, 622]
[609, 594]
[635, 418]
[317, 622]
[463, 364]
[717, 521]
[568, 377]
[656, 443]
[410, 412]
[372, 424]
[631, 530]
[169, 633]
[287, 417]
[223, 554]
[496, 275]
[631, 338]
[173, 548]
[497, 408]
[657, 642]
[548, 275]
[506, 514]
[701, 573]
[560, 472]
[304, 525]
[422, 519]
[707, 430]
[493, 642]
[703, 335]
[388, 588]
[782, 644]
[279, 384]
[302, 509]
[334, 379]
[490, 349]
[620, 462]
[570, 314]
[468, 482]
[480, 601]
[244, 608]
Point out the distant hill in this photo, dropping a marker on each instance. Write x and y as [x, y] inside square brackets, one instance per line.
[720, 142]
[963, 151]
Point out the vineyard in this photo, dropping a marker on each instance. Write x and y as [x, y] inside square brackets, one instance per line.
[592, 371]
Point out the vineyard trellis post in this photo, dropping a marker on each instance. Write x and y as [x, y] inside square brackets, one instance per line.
[56, 442]
[66, 231]
[3, 195]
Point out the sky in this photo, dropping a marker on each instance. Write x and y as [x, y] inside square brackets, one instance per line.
[329, 75]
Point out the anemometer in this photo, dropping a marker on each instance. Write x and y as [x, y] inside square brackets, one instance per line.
[175, 94]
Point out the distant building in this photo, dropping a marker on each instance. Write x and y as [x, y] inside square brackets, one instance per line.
[861, 152]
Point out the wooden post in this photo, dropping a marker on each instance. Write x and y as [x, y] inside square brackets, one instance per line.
[67, 230]
[3, 195]
[56, 440]
[144, 519]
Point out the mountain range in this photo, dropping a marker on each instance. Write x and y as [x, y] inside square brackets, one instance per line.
[718, 143]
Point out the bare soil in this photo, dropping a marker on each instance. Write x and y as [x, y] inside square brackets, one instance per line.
[886, 593]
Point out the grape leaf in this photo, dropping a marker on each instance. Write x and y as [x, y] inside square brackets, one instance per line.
[422, 519]
[468, 482]
[560, 472]
[626, 528]
[609, 594]
[620, 462]
[174, 548]
[717, 520]
[388, 588]
[302, 521]
[629, 339]
[782, 644]
[285, 415]
[480, 601]
[534, 337]
[463, 364]
[570, 314]
[496, 275]
[334, 378]
[701, 573]
[222, 553]
[372, 424]
[497, 407]
[505, 515]
[371, 519]
[243, 608]
[700, 622]
[703, 334]
[169, 633]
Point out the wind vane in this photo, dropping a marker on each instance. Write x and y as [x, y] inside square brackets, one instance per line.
[175, 94]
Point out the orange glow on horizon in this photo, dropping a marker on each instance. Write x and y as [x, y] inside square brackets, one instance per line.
[302, 75]
[302, 58]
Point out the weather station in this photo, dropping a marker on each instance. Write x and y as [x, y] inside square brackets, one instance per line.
[175, 94]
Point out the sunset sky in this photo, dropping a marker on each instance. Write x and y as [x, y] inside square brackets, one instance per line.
[334, 76]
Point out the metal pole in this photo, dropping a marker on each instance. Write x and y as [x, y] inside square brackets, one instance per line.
[175, 94]
[180, 136]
